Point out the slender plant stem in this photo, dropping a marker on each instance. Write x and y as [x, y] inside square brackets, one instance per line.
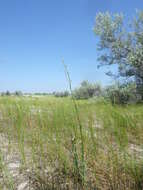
[79, 122]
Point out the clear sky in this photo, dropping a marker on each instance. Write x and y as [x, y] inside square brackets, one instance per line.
[36, 34]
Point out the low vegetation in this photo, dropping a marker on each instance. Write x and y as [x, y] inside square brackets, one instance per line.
[44, 132]
[87, 90]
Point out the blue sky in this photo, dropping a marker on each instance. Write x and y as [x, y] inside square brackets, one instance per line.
[36, 34]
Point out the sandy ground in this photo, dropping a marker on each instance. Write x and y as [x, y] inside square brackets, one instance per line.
[12, 172]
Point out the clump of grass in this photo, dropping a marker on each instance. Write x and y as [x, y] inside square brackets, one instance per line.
[7, 178]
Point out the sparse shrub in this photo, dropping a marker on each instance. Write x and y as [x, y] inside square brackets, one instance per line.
[42, 94]
[121, 93]
[87, 90]
[18, 93]
[2, 93]
[7, 93]
[61, 94]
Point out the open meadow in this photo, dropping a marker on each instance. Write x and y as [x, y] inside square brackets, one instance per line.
[71, 95]
[56, 143]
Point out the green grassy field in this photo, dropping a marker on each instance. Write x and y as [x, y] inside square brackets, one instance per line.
[96, 146]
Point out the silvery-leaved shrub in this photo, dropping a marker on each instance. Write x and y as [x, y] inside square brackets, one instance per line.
[122, 93]
[87, 90]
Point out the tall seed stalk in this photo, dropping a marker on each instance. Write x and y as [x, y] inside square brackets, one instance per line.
[80, 170]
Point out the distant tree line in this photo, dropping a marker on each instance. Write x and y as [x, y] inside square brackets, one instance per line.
[118, 93]
[8, 93]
